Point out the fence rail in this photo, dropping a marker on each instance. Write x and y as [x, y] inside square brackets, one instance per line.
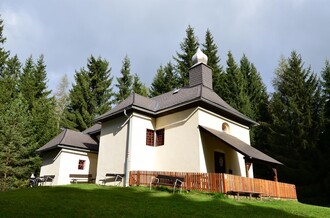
[220, 182]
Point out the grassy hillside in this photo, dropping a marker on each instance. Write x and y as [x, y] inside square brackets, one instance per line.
[98, 201]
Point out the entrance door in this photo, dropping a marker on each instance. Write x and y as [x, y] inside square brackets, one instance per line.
[220, 163]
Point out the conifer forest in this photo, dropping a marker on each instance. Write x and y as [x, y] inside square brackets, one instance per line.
[294, 119]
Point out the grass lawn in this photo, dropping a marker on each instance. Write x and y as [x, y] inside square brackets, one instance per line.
[88, 200]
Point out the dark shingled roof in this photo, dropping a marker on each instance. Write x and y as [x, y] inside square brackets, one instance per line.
[241, 146]
[185, 97]
[71, 139]
[96, 128]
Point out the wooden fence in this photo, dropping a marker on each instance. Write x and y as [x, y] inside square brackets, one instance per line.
[220, 182]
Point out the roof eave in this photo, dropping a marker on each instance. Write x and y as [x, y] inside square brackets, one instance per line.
[121, 112]
[248, 121]
[78, 149]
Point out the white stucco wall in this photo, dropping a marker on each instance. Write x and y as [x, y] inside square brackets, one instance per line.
[50, 164]
[112, 147]
[183, 149]
[142, 157]
[65, 162]
[180, 151]
[215, 121]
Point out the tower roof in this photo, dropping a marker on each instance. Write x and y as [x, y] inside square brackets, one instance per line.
[199, 57]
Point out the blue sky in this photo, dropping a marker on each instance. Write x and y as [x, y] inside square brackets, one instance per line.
[67, 32]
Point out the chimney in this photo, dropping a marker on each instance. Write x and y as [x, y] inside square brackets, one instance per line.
[200, 73]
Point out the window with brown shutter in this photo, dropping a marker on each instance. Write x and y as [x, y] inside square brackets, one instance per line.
[160, 137]
[81, 164]
[150, 137]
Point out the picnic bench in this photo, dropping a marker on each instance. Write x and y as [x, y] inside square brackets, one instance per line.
[165, 180]
[81, 177]
[116, 177]
[249, 194]
[42, 180]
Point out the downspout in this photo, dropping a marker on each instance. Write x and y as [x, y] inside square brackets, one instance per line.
[128, 148]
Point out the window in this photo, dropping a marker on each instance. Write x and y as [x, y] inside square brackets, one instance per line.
[155, 138]
[150, 137]
[225, 127]
[81, 164]
[160, 137]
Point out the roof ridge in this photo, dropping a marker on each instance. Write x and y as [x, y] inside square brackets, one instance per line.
[64, 134]
[133, 100]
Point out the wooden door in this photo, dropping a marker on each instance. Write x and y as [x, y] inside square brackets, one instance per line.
[219, 162]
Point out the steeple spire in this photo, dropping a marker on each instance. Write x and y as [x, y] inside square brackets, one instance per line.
[200, 73]
[199, 57]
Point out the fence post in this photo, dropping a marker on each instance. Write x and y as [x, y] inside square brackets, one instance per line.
[224, 182]
[138, 178]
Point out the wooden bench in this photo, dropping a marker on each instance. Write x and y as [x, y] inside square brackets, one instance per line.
[172, 181]
[45, 178]
[81, 177]
[250, 194]
[118, 177]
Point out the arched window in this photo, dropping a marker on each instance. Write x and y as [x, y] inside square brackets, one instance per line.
[225, 127]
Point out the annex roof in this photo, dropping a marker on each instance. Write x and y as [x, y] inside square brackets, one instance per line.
[198, 95]
[96, 128]
[71, 139]
[240, 146]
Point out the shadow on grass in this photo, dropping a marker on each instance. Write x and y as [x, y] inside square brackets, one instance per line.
[96, 201]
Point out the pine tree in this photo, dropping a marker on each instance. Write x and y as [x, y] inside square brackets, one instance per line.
[171, 77]
[9, 80]
[158, 85]
[90, 96]
[325, 133]
[17, 146]
[100, 84]
[77, 114]
[232, 91]
[326, 113]
[27, 82]
[138, 87]
[258, 95]
[184, 60]
[296, 111]
[164, 81]
[211, 51]
[33, 86]
[124, 82]
[324, 146]
[3, 53]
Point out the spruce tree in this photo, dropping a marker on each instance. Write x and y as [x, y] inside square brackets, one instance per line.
[3, 53]
[171, 77]
[184, 60]
[9, 80]
[124, 82]
[326, 113]
[324, 146]
[27, 82]
[17, 145]
[158, 85]
[78, 113]
[296, 110]
[33, 86]
[232, 91]
[211, 51]
[138, 87]
[164, 81]
[90, 96]
[100, 84]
